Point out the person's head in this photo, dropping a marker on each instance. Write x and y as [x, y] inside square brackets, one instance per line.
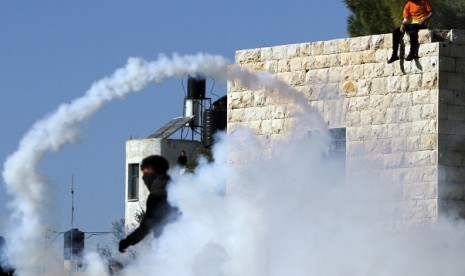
[154, 164]
[183, 152]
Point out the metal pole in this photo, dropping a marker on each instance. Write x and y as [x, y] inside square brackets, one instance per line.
[72, 226]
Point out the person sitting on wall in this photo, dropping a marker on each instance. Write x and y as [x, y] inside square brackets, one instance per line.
[5, 268]
[416, 15]
[158, 211]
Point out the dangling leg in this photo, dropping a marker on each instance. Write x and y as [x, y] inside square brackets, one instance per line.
[396, 37]
[414, 45]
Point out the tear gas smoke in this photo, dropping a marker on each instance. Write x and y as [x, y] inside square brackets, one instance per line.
[27, 186]
[290, 214]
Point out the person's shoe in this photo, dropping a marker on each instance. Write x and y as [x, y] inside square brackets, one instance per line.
[393, 58]
[411, 56]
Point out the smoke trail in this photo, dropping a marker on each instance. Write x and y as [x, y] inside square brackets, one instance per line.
[28, 187]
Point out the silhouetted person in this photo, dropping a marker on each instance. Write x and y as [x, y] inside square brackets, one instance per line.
[182, 159]
[416, 15]
[5, 268]
[158, 211]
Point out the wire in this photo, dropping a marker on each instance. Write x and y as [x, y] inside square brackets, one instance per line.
[183, 87]
[213, 86]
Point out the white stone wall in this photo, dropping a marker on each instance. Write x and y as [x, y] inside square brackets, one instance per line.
[398, 116]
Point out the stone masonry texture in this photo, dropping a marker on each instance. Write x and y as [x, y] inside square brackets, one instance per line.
[407, 118]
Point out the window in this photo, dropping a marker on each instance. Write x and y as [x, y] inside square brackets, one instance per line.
[133, 181]
[334, 152]
[338, 143]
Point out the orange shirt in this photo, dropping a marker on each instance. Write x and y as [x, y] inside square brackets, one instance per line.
[416, 12]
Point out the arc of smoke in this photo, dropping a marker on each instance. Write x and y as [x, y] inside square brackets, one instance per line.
[62, 127]
[276, 89]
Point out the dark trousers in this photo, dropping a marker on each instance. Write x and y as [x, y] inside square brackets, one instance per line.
[412, 30]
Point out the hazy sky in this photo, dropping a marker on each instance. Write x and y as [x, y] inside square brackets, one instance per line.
[51, 52]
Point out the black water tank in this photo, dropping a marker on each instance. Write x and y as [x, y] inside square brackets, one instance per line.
[209, 127]
[74, 243]
[196, 88]
[213, 120]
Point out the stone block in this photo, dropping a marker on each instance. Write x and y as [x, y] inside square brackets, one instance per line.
[344, 45]
[447, 64]
[448, 158]
[421, 97]
[425, 127]
[460, 65]
[354, 118]
[455, 143]
[366, 119]
[295, 64]
[236, 116]
[379, 115]
[455, 174]
[446, 97]
[428, 64]
[279, 52]
[254, 66]
[379, 131]
[394, 84]
[393, 160]
[331, 47]
[402, 100]
[369, 56]
[308, 63]
[266, 54]
[420, 158]
[456, 50]
[321, 61]
[298, 78]
[259, 98]
[283, 66]
[447, 127]
[428, 49]
[235, 100]
[459, 128]
[335, 75]
[430, 80]
[379, 86]
[457, 36]
[361, 43]
[381, 55]
[271, 66]
[420, 190]
[414, 81]
[293, 51]
[356, 58]
[245, 56]
[424, 36]
[456, 112]
[455, 81]
[451, 191]
[306, 49]
[318, 48]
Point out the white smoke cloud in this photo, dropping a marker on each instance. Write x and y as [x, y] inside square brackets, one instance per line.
[28, 187]
[290, 214]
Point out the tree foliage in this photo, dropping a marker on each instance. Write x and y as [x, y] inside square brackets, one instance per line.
[383, 16]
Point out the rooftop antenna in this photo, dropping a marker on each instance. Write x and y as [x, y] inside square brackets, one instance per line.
[72, 202]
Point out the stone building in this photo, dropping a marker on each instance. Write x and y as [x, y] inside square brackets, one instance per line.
[407, 118]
